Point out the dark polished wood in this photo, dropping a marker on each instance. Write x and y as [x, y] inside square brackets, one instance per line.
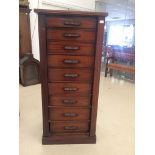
[77, 22]
[97, 65]
[81, 35]
[69, 139]
[24, 31]
[70, 75]
[69, 114]
[67, 61]
[69, 89]
[70, 101]
[69, 127]
[71, 13]
[70, 48]
[70, 54]
[43, 70]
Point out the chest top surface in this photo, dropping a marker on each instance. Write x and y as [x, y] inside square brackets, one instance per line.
[71, 13]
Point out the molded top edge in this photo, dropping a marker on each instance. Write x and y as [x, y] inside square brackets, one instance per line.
[69, 12]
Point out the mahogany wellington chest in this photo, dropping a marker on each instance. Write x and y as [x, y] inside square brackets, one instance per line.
[70, 57]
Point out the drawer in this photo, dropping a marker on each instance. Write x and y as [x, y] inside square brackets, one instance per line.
[69, 114]
[70, 48]
[69, 127]
[84, 35]
[69, 101]
[69, 88]
[75, 22]
[73, 75]
[70, 61]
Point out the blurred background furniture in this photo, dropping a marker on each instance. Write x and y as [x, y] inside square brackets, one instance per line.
[120, 58]
[28, 65]
[29, 70]
[24, 28]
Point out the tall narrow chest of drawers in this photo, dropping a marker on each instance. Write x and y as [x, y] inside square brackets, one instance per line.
[70, 57]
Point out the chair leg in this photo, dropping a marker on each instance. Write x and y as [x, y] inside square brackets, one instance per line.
[111, 72]
[106, 71]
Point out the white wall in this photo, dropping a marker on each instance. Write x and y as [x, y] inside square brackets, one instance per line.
[84, 5]
[72, 4]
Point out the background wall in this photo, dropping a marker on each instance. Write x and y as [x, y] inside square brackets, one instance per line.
[83, 5]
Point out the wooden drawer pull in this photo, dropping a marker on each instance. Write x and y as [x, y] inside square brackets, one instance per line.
[74, 35]
[69, 101]
[67, 75]
[70, 89]
[68, 114]
[71, 47]
[72, 23]
[70, 127]
[68, 61]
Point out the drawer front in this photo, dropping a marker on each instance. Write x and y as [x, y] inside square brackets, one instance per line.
[71, 22]
[67, 34]
[69, 101]
[69, 127]
[70, 48]
[56, 75]
[68, 89]
[68, 114]
[70, 61]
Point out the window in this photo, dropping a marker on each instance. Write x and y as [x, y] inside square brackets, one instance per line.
[121, 35]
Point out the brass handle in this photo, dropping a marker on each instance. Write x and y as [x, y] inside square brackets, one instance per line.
[70, 89]
[70, 127]
[69, 101]
[72, 23]
[68, 114]
[69, 61]
[70, 75]
[71, 47]
[74, 35]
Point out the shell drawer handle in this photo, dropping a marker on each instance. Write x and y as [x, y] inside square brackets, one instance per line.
[69, 61]
[70, 127]
[72, 23]
[74, 35]
[68, 75]
[68, 114]
[71, 47]
[70, 89]
[69, 101]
